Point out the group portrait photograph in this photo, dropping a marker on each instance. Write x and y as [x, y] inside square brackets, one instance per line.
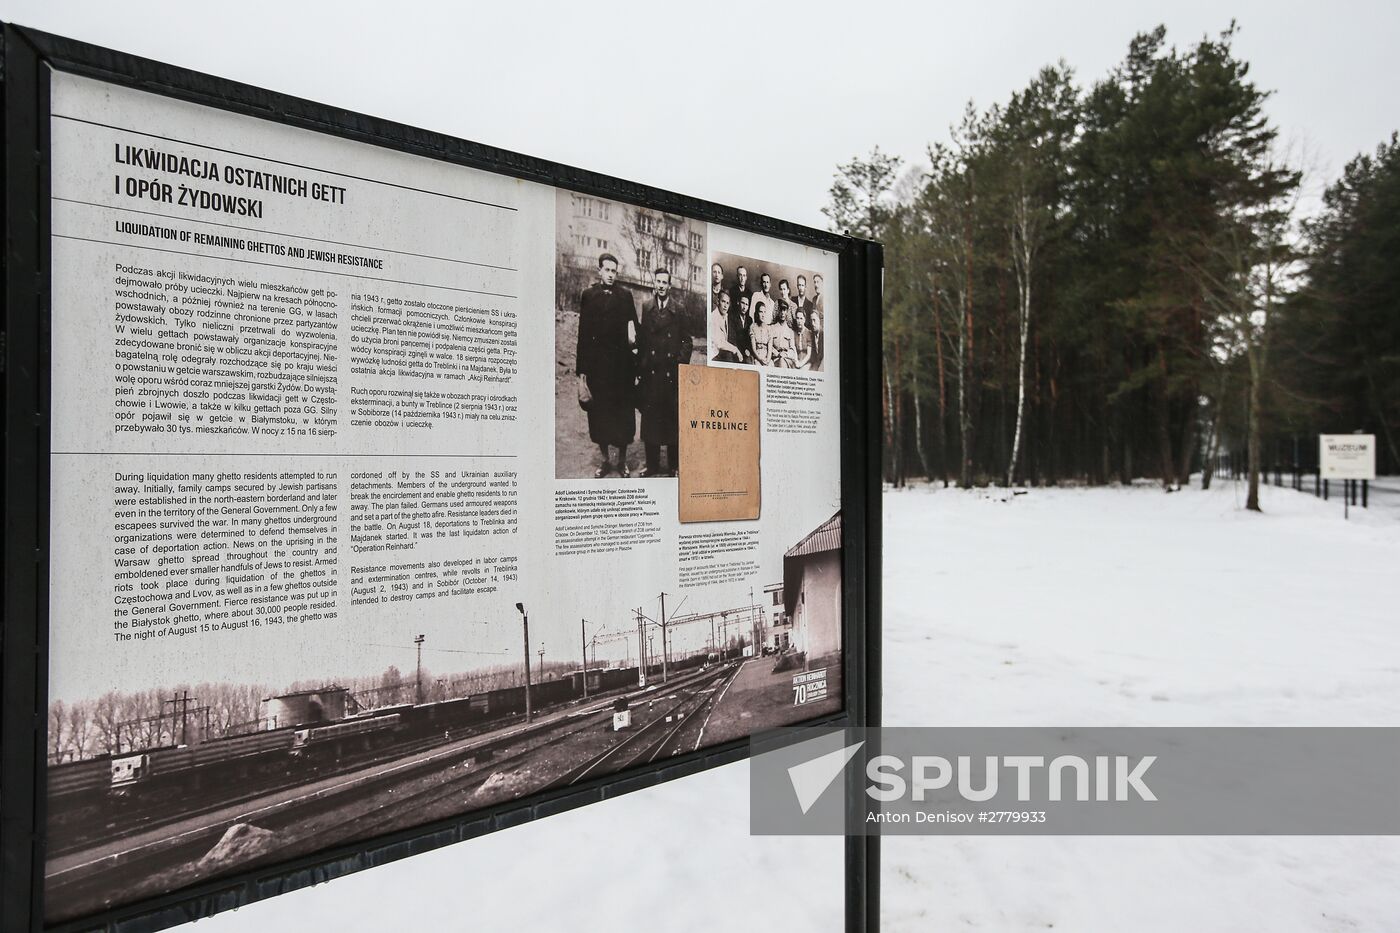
[764, 313]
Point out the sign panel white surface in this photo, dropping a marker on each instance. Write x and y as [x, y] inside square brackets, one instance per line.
[1347, 456]
[357, 454]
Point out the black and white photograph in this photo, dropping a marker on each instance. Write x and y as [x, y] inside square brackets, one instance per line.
[151, 790]
[629, 307]
[765, 313]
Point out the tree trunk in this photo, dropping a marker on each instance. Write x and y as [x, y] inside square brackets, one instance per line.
[1163, 419]
[919, 432]
[899, 439]
[1208, 462]
[1020, 381]
[1213, 441]
[898, 422]
[964, 424]
[968, 361]
[942, 398]
[1188, 442]
[1255, 455]
[1374, 398]
[1258, 355]
[887, 403]
[1024, 235]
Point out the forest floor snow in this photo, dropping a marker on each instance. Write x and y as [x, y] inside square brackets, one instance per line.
[1132, 607]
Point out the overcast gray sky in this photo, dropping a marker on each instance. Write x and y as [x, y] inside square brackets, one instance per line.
[750, 104]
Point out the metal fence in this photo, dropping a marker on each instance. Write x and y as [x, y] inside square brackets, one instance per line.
[1304, 478]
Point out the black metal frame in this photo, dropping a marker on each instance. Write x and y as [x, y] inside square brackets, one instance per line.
[28, 55]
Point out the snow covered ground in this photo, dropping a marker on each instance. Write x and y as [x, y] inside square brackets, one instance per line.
[1060, 607]
[1133, 607]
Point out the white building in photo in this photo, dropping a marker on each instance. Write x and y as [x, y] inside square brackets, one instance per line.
[812, 590]
[642, 238]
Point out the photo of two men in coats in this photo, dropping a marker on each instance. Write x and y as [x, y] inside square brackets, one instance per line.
[625, 364]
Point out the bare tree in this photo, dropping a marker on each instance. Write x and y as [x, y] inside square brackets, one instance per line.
[949, 206]
[1026, 223]
[860, 204]
[1030, 141]
[79, 730]
[1217, 413]
[1243, 268]
[108, 718]
[859, 196]
[58, 730]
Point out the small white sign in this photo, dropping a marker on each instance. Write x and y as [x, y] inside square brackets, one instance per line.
[1347, 456]
[622, 719]
[809, 687]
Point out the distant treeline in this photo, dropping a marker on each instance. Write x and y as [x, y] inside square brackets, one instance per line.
[187, 714]
[1099, 283]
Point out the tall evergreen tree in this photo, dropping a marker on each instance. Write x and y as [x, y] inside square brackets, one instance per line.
[1341, 343]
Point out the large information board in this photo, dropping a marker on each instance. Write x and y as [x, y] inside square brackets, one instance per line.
[368, 489]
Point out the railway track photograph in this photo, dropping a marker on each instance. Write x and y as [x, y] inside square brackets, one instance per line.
[161, 819]
[153, 791]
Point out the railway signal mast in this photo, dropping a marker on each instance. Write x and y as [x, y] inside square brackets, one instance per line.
[183, 701]
[665, 649]
[665, 643]
[418, 680]
[525, 616]
[583, 636]
[641, 650]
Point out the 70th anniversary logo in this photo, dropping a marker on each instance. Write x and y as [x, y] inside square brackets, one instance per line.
[1091, 781]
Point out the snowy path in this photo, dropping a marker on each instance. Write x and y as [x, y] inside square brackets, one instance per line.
[1132, 607]
[1085, 607]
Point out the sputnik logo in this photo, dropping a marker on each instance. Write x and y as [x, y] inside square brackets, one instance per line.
[811, 778]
